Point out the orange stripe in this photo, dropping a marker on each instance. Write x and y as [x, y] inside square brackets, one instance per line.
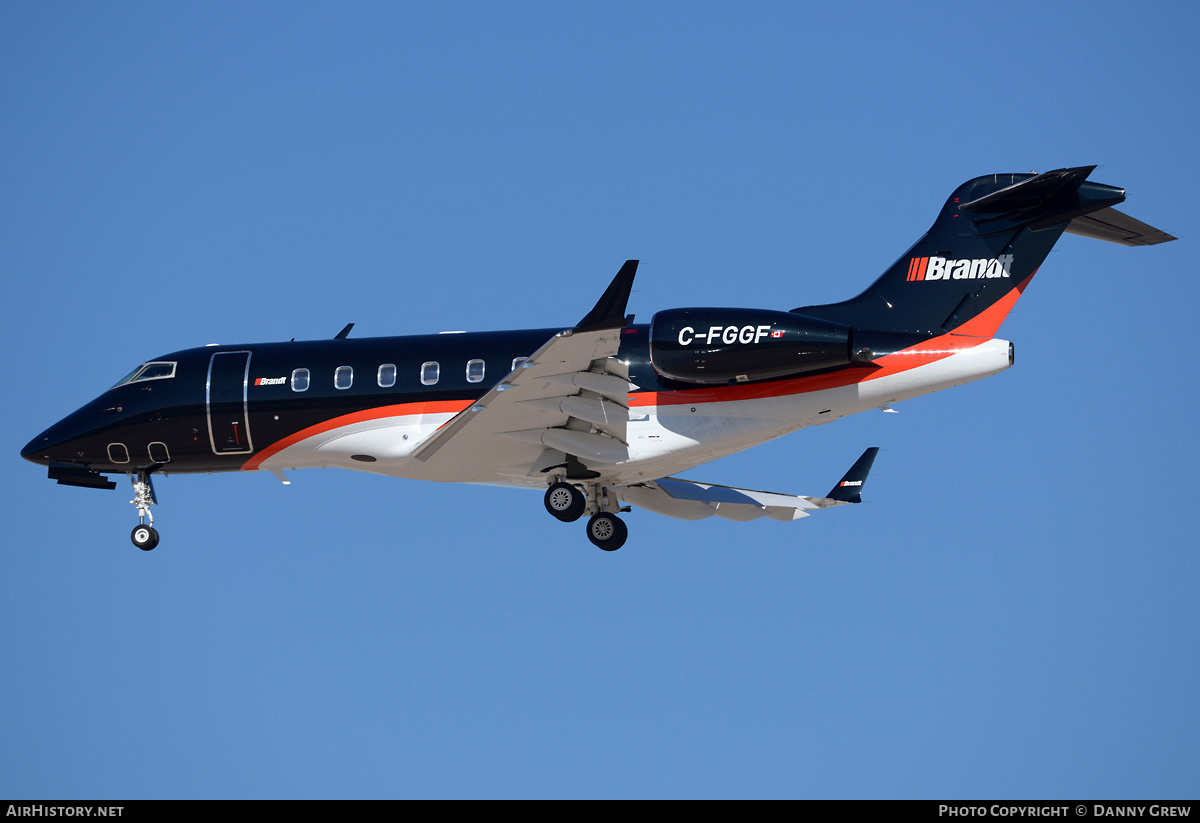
[398, 410]
[970, 334]
[928, 351]
[987, 322]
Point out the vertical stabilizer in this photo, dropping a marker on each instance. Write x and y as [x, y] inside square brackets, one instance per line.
[993, 233]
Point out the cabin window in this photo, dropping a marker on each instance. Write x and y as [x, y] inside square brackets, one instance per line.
[343, 378]
[300, 380]
[429, 372]
[517, 361]
[474, 371]
[117, 453]
[387, 376]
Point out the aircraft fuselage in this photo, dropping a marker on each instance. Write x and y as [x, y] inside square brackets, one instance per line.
[366, 404]
[605, 412]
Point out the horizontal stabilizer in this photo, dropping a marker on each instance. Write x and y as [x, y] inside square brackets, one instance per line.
[1034, 193]
[1044, 200]
[1117, 227]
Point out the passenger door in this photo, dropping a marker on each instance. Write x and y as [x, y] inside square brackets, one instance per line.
[225, 399]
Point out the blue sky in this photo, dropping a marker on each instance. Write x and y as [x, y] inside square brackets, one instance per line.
[1013, 611]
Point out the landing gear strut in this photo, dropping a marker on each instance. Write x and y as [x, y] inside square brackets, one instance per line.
[144, 535]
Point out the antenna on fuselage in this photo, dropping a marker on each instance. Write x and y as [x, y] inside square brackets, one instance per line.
[344, 333]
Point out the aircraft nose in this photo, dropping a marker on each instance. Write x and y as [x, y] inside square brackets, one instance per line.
[80, 437]
[57, 444]
[38, 449]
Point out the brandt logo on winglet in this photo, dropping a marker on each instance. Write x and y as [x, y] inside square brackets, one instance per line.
[943, 268]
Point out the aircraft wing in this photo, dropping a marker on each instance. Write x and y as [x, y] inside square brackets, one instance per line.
[570, 397]
[689, 500]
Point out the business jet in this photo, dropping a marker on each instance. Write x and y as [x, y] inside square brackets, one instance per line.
[603, 415]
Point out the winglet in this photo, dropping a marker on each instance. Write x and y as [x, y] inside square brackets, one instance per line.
[609, 311]
[849, 488]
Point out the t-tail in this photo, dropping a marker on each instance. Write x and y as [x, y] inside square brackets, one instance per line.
[968, 270]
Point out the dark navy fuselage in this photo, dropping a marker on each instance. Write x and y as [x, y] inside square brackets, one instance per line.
[222, 404]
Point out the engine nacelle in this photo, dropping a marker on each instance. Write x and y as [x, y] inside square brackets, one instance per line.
[712, 345]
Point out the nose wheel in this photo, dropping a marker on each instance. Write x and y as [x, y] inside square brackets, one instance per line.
[144, 535]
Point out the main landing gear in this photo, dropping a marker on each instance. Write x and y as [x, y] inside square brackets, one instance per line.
[565, 502]
[607, 531]
[144, 535]
[568, 504]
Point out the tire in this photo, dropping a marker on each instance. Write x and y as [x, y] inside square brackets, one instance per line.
[565, 502]
[607, 531]
[144, 537]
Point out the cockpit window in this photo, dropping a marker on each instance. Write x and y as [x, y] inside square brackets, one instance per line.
[158, 370]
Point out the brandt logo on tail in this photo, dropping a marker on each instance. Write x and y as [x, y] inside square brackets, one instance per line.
[943, 268]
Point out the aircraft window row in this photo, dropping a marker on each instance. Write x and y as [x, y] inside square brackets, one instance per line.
[343, 377]
[119, 452]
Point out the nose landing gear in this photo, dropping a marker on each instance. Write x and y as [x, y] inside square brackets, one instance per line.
[144, 535]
